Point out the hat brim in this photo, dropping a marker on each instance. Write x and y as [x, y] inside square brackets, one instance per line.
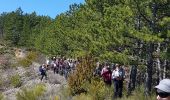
[162, 87]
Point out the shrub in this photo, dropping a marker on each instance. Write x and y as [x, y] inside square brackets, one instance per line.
[5, 62]
[138, 94]
[56, 98]
[15, 80]
[98, 90]
[31, 94]
[1, 81]
[2, 50]
[32, 55]
[82, 74]
[26, 62]
[83, 82]
[83, 96]
[1, 96]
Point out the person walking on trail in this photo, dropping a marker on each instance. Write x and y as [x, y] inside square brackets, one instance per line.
[118, 77]
[43, 70]
[54, 66]
[163, 90]
[98, 69]
[107, 75]
[66, 68]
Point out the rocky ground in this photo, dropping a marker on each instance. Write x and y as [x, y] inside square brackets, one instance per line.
[53, 84]
[30, 76]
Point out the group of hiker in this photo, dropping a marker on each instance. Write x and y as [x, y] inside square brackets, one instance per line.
[59, 65]
[112, 73]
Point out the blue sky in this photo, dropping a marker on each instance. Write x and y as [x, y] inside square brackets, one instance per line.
[41, 7]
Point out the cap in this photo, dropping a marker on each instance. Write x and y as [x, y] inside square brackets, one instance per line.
[164, 85]
[117, 65]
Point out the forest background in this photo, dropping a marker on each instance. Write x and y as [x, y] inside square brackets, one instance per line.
[129, 32]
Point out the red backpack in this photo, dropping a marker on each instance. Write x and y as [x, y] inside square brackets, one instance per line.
[107, 75]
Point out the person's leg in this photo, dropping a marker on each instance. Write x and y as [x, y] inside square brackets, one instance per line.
[65, 73]
[54, 70]
[57, 70]
[42, 77]
[109, 83]
[120, 88]
[115, 88]
[45, 75]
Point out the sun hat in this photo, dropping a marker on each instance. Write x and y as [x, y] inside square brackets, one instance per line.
[164, 85]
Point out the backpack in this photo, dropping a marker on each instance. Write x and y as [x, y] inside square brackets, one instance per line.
[40, 69]
[107, 75]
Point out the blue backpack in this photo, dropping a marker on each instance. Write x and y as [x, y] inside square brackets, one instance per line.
[40, 69]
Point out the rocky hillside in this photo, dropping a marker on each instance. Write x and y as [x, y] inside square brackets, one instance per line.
[14, 78]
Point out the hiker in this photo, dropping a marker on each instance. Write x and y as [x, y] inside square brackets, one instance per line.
[98, 69]
[107, 74]
[47, 61]
[43, 70]
[54, 66]
[66, 68]
[118, 77]
[71, 64]
[163, 90]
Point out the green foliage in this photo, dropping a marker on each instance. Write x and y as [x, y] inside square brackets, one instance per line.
[107, 29]
[1, 96]
[15, 80]
[21, 29]
[32, 55]
[2, 50]
[83, 81]
[83, 97]
[97, 89]
[1, 82]
[138, 94]
[121, 58]
[83, 73]
[31, 94]
[64, 93]
[27, 61]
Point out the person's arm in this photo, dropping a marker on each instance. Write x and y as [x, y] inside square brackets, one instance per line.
[113, 75]
[102, 71]
[123, 73]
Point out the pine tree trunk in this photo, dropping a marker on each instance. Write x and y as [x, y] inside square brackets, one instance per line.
[148, 78]
[133, 76]
[165, 64]
[129, 88]
[158, 65]
[164, 68]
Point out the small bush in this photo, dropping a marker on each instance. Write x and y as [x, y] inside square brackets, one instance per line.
[82, 74]
[31, 94]
[64, 94]
[5, 62]
[1, 96]
[83, 97]
[138, 94]
[97, 89]
[32, 55]
[26, 62]
[56, 98]
[2, 50]
[1, 81]
[28, 74]
[15, 80]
